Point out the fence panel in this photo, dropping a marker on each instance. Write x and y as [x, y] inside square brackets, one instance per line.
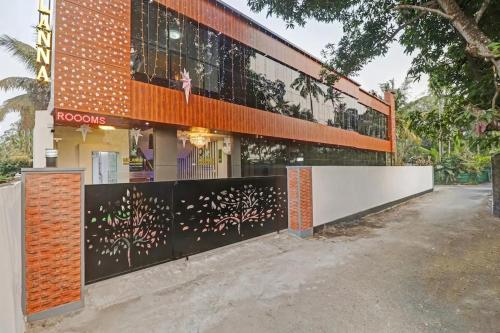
[133, 226]
[215, 213]
[127, 227]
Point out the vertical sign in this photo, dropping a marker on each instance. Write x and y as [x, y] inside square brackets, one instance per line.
[44, 42]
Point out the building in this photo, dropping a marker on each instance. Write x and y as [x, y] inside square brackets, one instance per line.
[161, 90]
[146, 93]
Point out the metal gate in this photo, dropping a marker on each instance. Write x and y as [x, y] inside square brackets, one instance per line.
[133, 226]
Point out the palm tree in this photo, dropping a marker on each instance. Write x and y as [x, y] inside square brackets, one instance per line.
[307, 87]
[334, 96]
[36, 95]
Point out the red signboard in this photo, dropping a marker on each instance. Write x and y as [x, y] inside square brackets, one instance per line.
[78, 118]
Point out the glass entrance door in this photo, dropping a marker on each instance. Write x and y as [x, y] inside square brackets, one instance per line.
[104, 167]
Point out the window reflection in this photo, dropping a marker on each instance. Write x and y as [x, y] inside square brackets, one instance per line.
[165, 42]
[265, 157]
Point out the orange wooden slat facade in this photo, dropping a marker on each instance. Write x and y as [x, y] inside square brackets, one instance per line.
[92, 75]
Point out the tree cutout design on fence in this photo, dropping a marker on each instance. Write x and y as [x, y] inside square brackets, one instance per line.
[134, 226]
[248, 205]
[137, 222]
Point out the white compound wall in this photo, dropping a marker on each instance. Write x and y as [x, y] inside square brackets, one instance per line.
[11, 315]
[342, 191]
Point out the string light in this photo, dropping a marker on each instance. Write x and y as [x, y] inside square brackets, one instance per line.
[157, 37]
[143, 40]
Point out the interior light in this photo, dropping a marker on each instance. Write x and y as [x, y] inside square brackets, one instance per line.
[199, 141]
[174, 34]
[107, 128]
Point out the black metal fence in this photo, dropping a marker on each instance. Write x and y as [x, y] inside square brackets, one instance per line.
[133, 226]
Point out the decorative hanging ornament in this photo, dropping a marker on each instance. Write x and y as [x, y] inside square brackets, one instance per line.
[136, 134]
[186, 84]
[84, 129]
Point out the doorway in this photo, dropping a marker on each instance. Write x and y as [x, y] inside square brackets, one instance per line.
[104, 167]
[203, 155]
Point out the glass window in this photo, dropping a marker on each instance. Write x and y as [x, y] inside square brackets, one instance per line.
[177, 65]
[263, 157]
[164, 42]
[177, 32]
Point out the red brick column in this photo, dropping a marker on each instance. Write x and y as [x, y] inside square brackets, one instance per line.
[390, 98]
[52, 245]
[300, 206]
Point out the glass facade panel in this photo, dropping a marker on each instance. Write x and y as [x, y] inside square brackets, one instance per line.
[164, 43]
[266, 157]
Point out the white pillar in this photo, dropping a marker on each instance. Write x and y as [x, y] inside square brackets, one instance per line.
[236, 157]
[165, 147]
[43, 137]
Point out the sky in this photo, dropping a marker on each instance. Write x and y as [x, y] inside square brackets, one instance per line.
[18, 18]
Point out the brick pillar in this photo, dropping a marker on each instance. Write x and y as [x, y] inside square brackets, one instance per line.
[300, 206]
[52, 241]
[391, 100]
[496, 185]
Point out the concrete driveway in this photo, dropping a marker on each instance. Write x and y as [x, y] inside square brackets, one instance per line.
[429, 265]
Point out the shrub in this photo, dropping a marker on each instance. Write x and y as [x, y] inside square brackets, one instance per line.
[11, 166]
[447, 170]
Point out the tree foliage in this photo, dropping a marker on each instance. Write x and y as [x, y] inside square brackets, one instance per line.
[36, 95]
[436, 130]
[307, 88]
[454, 41]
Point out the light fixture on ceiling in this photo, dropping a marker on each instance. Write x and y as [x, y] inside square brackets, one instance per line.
[197, 137]
[199, 140]
[174, 34]
[107, 128]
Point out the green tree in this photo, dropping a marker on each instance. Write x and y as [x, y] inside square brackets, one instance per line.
[36, 95]
[307, 88]
[454, 41]
[16, 143]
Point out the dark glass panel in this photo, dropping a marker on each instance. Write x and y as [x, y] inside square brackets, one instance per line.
[211, 47]
[193, 39]
[177, 64]
[136, 31]
[222, 68]
[177, 40]
[195, 69]
[264, 157]
[251, 100]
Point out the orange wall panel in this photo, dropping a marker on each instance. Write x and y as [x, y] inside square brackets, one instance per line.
[92, 56]
[92, 75]
[163, 105]
[374, 103]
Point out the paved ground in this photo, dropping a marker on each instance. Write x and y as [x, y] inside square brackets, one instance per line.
[430, 265]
